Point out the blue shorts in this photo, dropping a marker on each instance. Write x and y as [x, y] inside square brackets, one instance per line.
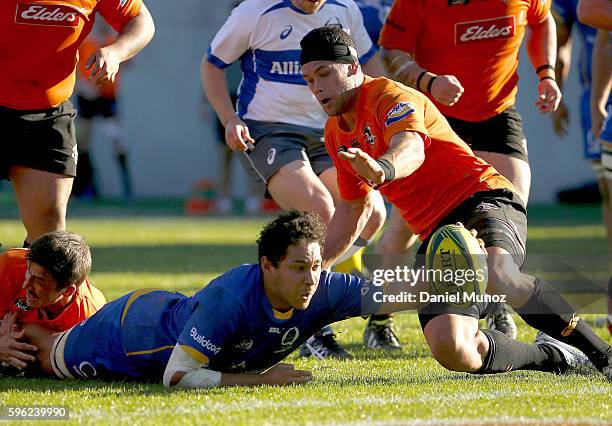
[127, 338]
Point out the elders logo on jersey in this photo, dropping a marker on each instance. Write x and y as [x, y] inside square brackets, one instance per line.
[485, 29]
[57, 15]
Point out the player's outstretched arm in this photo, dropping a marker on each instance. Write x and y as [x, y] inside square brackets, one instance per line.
[542, 52]
[596, 13]
[103, 64]
[184, 371]
[350, 217]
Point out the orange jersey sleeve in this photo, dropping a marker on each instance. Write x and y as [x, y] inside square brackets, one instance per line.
[118, 12]
[87, 301]
[450, 173]
[477, 42]
[39, 42]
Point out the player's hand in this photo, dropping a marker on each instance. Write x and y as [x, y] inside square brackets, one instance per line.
[285, 374]
[549, 96]
[560, 119]
[364, 165]
[237, 134]
[475, 235]
[446, 89]
[11, 350]
[103, 65]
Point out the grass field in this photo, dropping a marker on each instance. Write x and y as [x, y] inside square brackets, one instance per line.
[172, 252]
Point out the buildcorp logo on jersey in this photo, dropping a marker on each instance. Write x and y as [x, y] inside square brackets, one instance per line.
[203, 341]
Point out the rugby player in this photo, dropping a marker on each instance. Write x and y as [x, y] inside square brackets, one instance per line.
[39, 43]
[276, 112]
[382, 134]
[237, 329]
[464, 56]
[46, 284]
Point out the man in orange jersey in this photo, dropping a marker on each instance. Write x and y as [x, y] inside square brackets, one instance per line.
[463, 55]
[39, 41]
[45, 284]
[382, 134]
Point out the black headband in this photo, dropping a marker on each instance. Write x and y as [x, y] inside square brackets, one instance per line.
[330, 52]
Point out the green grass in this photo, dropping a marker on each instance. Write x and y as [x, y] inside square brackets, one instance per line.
[136, 251]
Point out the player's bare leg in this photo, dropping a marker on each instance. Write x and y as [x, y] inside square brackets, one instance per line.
[42, 198]
[296, 186]
[514, 169]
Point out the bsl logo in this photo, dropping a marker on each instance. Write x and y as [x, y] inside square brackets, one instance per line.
[57, 15]
[486, 29]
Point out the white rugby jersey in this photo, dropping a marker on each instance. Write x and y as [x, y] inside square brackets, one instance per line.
[265, 35]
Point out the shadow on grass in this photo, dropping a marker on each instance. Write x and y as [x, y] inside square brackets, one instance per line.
[170, 259]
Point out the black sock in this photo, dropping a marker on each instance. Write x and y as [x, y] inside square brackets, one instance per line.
[506, 354]
[548, 311]
[26, 244]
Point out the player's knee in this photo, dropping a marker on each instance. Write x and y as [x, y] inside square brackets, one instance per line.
[323, 204]
[377, 219]
[455, 354]
[452, 344]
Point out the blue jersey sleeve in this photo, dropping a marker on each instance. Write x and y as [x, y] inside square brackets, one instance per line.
[215, 319]
[348, 296]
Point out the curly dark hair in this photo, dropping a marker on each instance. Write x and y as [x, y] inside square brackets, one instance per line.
[65, 255]
[288, 229]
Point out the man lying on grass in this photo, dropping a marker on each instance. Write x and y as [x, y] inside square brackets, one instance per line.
[236, 330]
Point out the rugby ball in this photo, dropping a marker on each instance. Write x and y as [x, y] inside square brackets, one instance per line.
[456, 266]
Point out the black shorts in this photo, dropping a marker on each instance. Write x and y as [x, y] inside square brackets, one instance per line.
[500, 220]
[502, 133]
[90, 108]
[39, 139]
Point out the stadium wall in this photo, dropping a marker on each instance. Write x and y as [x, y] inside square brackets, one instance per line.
[170, 128]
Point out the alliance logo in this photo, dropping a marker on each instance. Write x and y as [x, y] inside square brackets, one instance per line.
[56, 15]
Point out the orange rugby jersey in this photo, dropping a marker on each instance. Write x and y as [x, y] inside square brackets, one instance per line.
[39, 40]
[450, 173]
[477, 42]
[88, 299]
[89, 46]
